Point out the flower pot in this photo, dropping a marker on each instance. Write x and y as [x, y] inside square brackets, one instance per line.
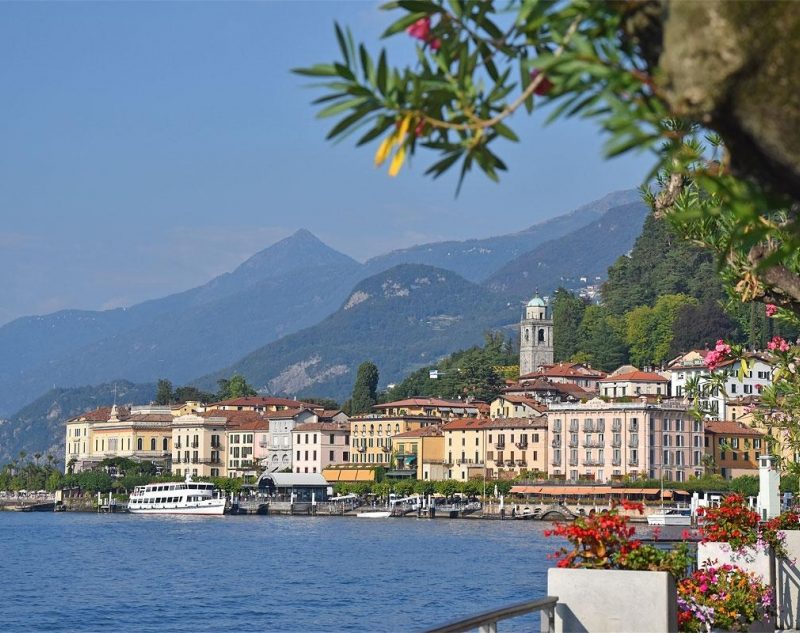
[787, 588]
[754, 559]
[751, 559]
[613, 601]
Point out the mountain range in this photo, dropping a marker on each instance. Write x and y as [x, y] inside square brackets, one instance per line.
[298, 317]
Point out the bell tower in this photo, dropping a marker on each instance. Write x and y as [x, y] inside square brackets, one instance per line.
[535, 336]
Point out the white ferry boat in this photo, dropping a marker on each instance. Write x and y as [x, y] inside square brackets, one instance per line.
[186, 497]
[672, 516]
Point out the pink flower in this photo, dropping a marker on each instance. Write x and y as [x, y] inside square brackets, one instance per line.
[771, 309]
[435, 43]
[421, 29]
[777, 343]
[723, 348]
[712, 359]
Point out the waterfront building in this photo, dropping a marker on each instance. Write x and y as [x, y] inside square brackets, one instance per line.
[515, 445]
[247, 435]
[281, 424]
[421, 451]
[371, 435]
[577, 374]
[535, 336]
[140, 433]
[465, 448]
[430, 407]
[198, 442]
[690, 368]
[603, 441]
[317, 445]
[733, 448]
[294, 487]
[634, 384]
[514, 405]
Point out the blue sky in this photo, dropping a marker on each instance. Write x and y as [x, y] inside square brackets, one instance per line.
[147, 147]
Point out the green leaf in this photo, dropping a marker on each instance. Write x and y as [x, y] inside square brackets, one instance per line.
[381, 79]
[402, 24]
[506, 132]
[375, 132]
[366, 64]
[351, 120]
[337, 108]
[342, 43]
[438, 168]
[318, 70]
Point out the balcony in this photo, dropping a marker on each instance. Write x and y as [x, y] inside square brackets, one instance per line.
[263, 444]
[194, 445]
[555, 462]
[177, 444]
[573, 443]
[386, 449]
[522, 446]
[633, 441]
[500, 445]
[573, 462]
[556, 443]
[361, 449]
[616, 443]
[509, 463]
[616, 462]
[594, 462]
[633, 462]
[521, 462]
[593, 444]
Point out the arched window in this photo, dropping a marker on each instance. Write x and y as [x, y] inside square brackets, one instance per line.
[152, 443]
[139, 444]
[166, 444]
[527, 335]
[541, 336]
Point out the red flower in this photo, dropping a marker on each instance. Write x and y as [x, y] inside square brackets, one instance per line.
[545, 85]
[421, 29]
[771, 309]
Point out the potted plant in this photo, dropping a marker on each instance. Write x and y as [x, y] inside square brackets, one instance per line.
[607, 580]
[724, 598]
[732, 533]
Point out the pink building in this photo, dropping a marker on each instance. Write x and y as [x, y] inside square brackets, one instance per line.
[317, 445]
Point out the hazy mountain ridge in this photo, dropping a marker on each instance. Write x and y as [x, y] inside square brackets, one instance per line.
[477, 259]
[588, 251]
[404, 318]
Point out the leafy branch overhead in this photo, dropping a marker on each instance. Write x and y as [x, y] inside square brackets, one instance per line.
[723, 139]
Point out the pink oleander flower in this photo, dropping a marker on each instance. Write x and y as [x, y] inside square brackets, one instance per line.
[712, 359]
[421, 29]
[779, 344]
[723, 348]
[771, 309]
[435, 43]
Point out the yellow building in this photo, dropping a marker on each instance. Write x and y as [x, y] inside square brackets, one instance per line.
[464, 448]
[141, 433]
[199, 444]
[421, 450]
[733, 447]
[513, 405]
[371, 436]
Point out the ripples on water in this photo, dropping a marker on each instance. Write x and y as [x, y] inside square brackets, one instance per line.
[88, 572]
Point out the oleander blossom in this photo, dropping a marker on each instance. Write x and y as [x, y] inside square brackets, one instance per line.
[779, 344]
[421, 30]
[772, 309]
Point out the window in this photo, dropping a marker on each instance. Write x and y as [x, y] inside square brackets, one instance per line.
[138, 444]
[152, 443]
[165, 444]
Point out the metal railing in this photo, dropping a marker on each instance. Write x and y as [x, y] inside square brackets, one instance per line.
[486, 622]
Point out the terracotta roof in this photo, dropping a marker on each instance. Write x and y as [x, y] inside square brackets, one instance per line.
[566, 370]
[636, 376]
[426, 402]
[149, 417]
[516, 423]
[285, 413]
[425, 431]
[101, 414]
[519, 399]
[463, 424]
[321, 426]
[730, 428]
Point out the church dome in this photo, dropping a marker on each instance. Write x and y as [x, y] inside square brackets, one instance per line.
[536, 302]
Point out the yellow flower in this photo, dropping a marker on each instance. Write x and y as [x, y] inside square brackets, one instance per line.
[395, 139]
[397, 161]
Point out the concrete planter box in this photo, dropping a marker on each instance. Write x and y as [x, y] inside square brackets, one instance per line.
[750, 559]
[787, 589]
[613, 601]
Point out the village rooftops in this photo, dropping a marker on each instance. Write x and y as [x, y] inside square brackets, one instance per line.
[635, 376]
[260, 402]
[434, 403]
[565, 370]
[425, 431]
[724, 427]
[100, 414]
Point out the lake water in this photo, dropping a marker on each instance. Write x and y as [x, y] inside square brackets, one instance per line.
[89, 572]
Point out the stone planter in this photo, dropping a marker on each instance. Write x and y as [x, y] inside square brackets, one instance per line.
[750, 559]
[787, 587]
[613, 601]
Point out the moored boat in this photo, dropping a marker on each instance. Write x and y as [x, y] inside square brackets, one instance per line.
[375, 514]
[674, 516]
[185, 497]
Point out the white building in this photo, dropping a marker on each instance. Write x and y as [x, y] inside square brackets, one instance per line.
[691, 368]
[281, 425]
